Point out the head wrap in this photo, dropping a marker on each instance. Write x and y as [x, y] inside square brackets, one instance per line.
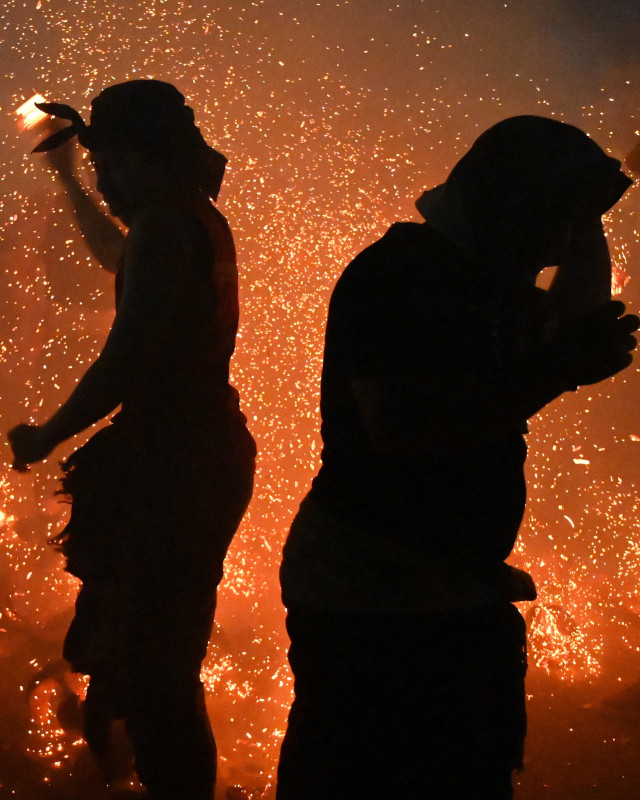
[149, 115]
[525, 167]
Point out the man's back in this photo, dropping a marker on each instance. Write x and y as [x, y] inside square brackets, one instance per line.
[412, 303]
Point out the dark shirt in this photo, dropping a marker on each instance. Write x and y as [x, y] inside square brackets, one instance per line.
[412, 303]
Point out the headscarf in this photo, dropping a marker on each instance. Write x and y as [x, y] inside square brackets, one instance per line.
[523, 168]
[147, 114]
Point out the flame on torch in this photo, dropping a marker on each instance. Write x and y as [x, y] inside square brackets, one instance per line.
[28, 115]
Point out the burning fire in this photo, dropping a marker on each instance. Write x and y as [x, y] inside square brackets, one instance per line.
[29, 115]
[558, 644]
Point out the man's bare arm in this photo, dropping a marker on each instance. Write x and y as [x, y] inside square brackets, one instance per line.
[157, 242]
[101, 233]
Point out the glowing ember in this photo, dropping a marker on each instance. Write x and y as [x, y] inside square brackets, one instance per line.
[558, 643]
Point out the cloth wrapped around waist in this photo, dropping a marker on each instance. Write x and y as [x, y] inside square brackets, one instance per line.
[145, 494]
[94, 482]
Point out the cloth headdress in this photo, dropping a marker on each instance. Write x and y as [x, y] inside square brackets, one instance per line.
[523, 165]
[148, 114]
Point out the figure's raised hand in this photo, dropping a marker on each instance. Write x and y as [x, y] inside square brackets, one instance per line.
[62, 159]
[596, 345]
[29, 444]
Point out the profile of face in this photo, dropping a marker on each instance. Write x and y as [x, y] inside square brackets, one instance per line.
[125, 179]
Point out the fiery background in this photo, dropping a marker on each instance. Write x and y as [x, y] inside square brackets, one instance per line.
[334, 116]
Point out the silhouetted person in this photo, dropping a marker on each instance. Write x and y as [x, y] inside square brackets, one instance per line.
[408, 655]
[158, 494]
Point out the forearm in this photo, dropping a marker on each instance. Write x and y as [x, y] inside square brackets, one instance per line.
[583, 280]
[97, 394]
[104, 238]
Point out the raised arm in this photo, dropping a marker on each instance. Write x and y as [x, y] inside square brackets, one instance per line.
[583, 279]
[101, 233]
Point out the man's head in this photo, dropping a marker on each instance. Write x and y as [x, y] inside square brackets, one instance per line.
[142, 136]
[524, 183]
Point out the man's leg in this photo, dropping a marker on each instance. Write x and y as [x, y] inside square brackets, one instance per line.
[174, 748]
[404, 706]
[166, 632]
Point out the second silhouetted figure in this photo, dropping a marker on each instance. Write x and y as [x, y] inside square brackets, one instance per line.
[407, 651]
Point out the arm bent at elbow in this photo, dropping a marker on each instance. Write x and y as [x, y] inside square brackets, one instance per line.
[157, 243]
[583, 279]
[104, 238]
[446, 412]
[95, 396]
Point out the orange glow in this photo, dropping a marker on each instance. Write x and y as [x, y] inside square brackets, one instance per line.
[335, 116]
[29, 115]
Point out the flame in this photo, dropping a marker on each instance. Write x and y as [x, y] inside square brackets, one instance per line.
[29, 115]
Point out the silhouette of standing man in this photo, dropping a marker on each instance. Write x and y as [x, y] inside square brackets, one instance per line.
[158, 494]
[408, 654]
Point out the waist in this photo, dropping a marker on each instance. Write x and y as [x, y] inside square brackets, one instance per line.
[470, 504]
[182, 401]
[200, 420]
[330, 561]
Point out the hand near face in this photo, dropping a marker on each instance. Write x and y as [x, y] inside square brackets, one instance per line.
[587, 235]
[596, 345]
[62, 159]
